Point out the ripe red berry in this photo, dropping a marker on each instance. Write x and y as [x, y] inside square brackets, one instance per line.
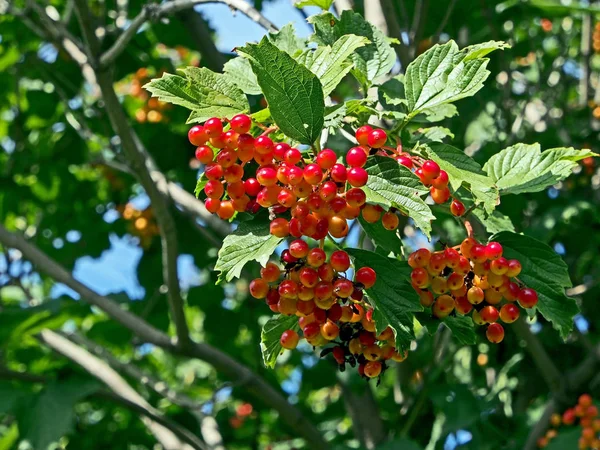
[258, 288]
[478, 253]
[311, 330]
[372, 369]
[263, 145]
[339, 174]
[280, 227]
[440, 196]
[366, 276]
[441, 181]
[252, 187]
[226, 158]
[420, 277]
[343, 288]
[340, 261]
[405, 161]
[226, 210]
[509, 313]
[356, 197]
[377, 138]
[197, 135]
[241, 123]
[213, 127]
[212, 205]
[431, 170]
[213, 171]
[495, 333]
[489, 314]
[457, 208]
[289, 339]
[313, 174]
[292, 156]
[316, 257]
[356, 157]
[328, 191]
[335, 312]
[308, 277]
[266, 176]
[299, 248]
[357, 177]
[390, 221]
[514, 268]
[493, 250]
[362, 134]
[326, 159]
[366, 338]
[528, 298]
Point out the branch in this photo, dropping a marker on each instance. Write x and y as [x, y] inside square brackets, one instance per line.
[444, 21]
[363, 410]
[343, 5]
[7, 374]
[167, 436]
[222, 362]
[155, 12]
[145, 170]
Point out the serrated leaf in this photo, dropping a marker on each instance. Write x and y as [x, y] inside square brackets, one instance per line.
[431, 134]
[525, 168]
[495, 222]
[371, 61]
[385, 239]
[332, 63]
[464, 170]
[251, 241]
[544, 271]
[294, 93]
[334, 115]
[206, 93]
[438, 113]
[271, 334]
[392, 296]
[480, 50]
[444, 74]
[239, 72]
[200, 183]
[463, 329]
[391, 93]
[285, 39]
[323, 4]
[393, 185]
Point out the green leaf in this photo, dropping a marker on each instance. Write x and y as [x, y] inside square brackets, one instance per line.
[270, 335]
[334, 115]
[459, 404]
[544, 271]
[462, 329]
[294, 93]
[524, 168]
[477, 51]
[206, 93]
[239, 72]
[372, 60]
[464, 170]
[323, 4]
[444, 74]
[495, 222]
[401, 443]
[332, 64]
[285, 39]
[50, 415]
[382, 238]
[200, 183]
[392, 296]
[438, 113]
[393, 185]
[432, 134]
[251, 241]
[568, 438]
[11, 396]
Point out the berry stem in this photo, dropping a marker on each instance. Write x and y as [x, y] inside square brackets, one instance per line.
[322, 243]
[469, 228]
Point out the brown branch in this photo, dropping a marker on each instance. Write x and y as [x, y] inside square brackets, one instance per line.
[166, 435]
[223, 363]
[143, 167]
[156, 12]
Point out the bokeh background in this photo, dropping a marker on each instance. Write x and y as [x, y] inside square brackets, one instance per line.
[66, 187]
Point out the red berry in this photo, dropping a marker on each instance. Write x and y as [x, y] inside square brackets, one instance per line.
[390, 221]
[372, 369]
[226, 158]
[356, 197]
[213, 171]
[377, 138]
[252, 187]
[299, 248]
[362, 134]
[528, 298]
[214, 189]
[197, 135]
[258, 288]
[279, 150]
[287, 257]
[326, 159]
[263, 145]
[213, 127]
[478, 253]
[366, 338]
[241, 123]
[441, 181]
[266, 176]
[357, 177]
[489, 314]
[495, 333]
[356, 157]
[420, 277]
[328, 191]
[316, 257]
[514, 268]
[280, 227]
[308, 277]
[339, 174]
[431, 170]
[335, 312]
[313, 174]
[509, 313]
[440, 195]
[212, 205]
[343, 288]
[405, 161]
[457, 208]
[311, 330]
[340, 261]
[292, 156]
[366, 276]
[231, 139]
[493, 250]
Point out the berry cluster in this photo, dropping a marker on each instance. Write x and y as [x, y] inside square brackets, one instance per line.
[329, 306]
[587, 413]
[471, 278]
[306, 196]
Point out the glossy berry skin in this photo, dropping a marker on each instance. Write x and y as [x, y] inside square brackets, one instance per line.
[326, 159]
[514, 268]
[197, 135]
[377, 138]
[528, 298]
[430, 170]
[357, 177]
[241, 123]
[441, 181]
[340, 261]
[478, 253]
[252, 187]
[493, 250]
[420, 277]
[263, 145]
[356, 157]
[258, 288]
[213, 127]
[292, 156]
[366, 276]
[362, 134]
[509, 313]
[489, 314]
[440, 196]
[316, 257]
[279, 227]
[299, 248]
[267, 176]
[356, 197]
[289, 339]
[372, 369]
[405, 161]
[313, 174]
[339, 174]
[457, 208]
[495, 333]
[442, 306]
[390, 221]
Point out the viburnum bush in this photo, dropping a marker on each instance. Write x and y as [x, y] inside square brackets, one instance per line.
[323, 192]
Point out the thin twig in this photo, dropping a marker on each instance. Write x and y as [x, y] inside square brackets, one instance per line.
[444, 21]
